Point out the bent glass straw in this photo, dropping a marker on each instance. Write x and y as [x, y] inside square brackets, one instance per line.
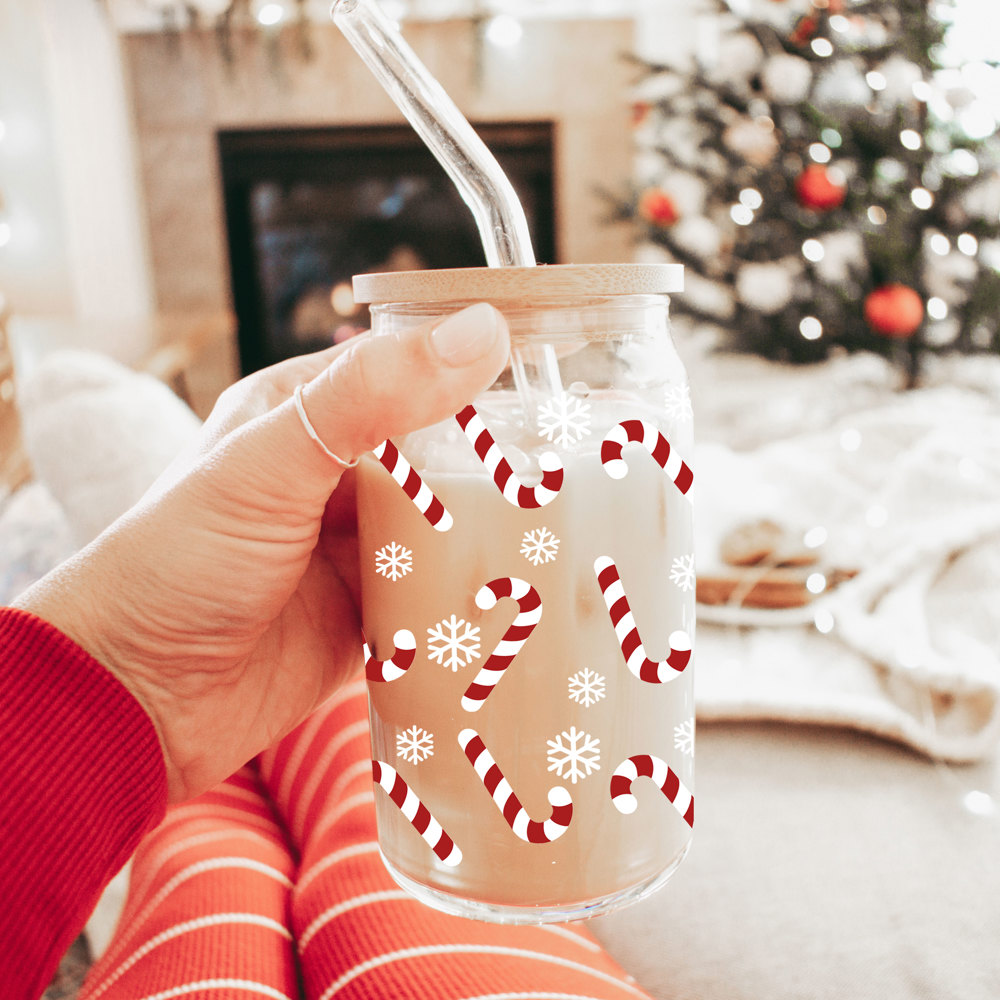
[484, 187]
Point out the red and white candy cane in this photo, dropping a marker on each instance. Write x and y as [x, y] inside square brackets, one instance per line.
[417, 813]
[413, 486]
[397, 664]
[499, 468]
[645, 765]
[644, 433]
[651, 671]
[529, 613]
[524, 827]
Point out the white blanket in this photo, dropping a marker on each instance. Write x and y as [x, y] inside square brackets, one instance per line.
[908, 491]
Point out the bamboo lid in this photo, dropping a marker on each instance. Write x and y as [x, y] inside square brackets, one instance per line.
[461, 284]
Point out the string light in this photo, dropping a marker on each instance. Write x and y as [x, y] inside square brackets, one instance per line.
[839, 23]
[504, 31]
[831, 137]
[876, 80]
[270, 14]
[877, 216]
[940, 244]
[752, 198]
[811, 328]
[968, 244]
[741, 215]
[816, 583]
[921, 198]
[815, 537]
[979, 803]
[823, 620]
[823, 47]
[819, 152]
[922, 90]
[813, 250]
[937, 308]
[910, 139]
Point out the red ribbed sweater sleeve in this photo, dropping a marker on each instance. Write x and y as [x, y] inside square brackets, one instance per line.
[81, 780]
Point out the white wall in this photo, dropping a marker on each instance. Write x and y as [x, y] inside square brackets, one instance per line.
[67, 169]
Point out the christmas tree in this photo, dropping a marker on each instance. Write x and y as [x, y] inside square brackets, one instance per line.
[828, 180]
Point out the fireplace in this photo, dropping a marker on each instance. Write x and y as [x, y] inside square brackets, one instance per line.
[307, 208]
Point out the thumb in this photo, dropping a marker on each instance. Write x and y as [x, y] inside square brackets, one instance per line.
[382, 386]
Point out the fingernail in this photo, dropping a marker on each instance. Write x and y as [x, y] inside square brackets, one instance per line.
[466, 336]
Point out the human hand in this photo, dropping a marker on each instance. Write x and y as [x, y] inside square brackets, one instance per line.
[226, 600]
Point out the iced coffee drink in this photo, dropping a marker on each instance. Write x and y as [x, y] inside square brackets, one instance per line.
[528, 582]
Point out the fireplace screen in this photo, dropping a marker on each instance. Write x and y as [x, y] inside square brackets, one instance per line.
[308, 208]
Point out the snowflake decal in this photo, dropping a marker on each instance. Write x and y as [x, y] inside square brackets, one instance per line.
[677, 402]
[684, 737]
[539, 546]
[682, 572]
[586, 687]
[574, 755]
[393, 561]
[564, 420]
[415, 744]
[453, 643]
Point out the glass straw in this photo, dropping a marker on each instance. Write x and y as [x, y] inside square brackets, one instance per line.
[483, 185]
[481, 182]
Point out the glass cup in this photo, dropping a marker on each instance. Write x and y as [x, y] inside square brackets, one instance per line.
[528, 603]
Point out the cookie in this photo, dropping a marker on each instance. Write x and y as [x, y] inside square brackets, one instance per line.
[765, 542]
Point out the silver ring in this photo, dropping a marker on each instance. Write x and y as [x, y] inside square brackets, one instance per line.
[311, 431]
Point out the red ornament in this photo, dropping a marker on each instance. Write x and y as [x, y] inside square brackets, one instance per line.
[804, 30]
[640, 112]
[894, 310]
[657, 207]
[818, 190]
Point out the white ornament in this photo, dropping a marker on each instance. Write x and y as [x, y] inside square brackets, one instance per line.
[841, 252]
[737, 58]
[982, 200]
[787, 78]
[711, 297]
[767, 288]
[842, 85]
[697, 235]
[900, 75]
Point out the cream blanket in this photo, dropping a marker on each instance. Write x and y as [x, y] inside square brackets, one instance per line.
[907, 488]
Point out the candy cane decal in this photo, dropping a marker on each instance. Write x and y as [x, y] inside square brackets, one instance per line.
[499, 468]
[397, 664]
[651, 671]
[527, 829]
[413, 486]
[645, 765]
[644, 433]
[529, 613]
[417, 813]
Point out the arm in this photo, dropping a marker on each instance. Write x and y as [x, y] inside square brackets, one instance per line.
[81, 780]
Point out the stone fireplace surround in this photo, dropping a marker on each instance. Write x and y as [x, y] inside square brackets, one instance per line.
[184, 90]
